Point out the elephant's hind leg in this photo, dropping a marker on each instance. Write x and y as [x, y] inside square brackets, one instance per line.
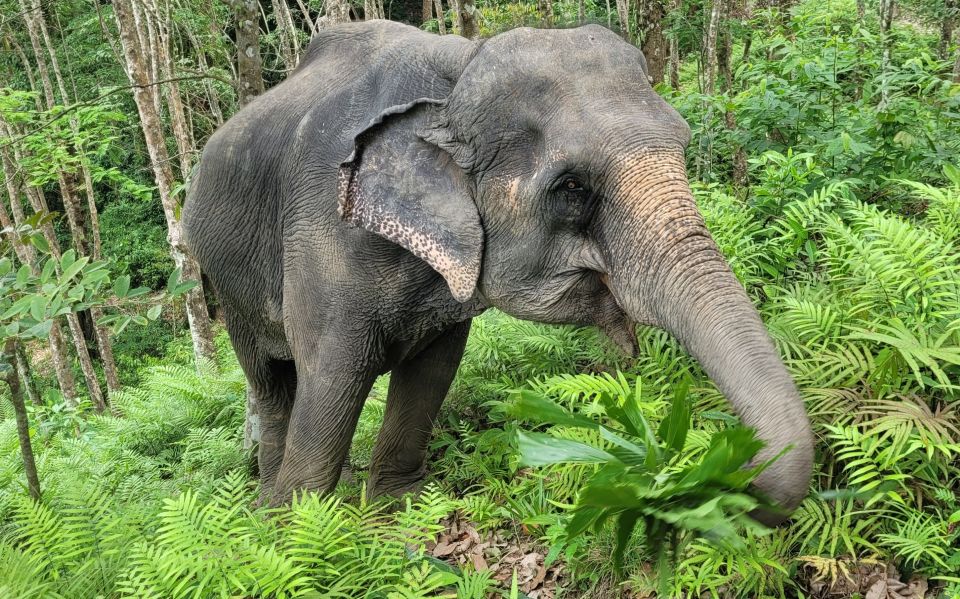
[273, 384]
[418, 387]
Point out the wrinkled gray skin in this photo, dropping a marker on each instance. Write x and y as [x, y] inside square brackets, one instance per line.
[354, 218]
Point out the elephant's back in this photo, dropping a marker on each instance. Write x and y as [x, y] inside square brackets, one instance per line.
[267, 178]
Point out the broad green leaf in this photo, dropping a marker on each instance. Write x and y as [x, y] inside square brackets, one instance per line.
[74, 268]
[626, 522]
[6, 265]
[49, 268]
[37, 307]
[532, 406]
[21, 306]
[23, 274]
[67, 260]
[172, 281]
[40, 242]
[183, 288]
[538, 449]
[121, 286]
[673, 429]
[154, 312]
[39, 330]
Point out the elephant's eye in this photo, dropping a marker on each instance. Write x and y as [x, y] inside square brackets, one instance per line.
[572, 184]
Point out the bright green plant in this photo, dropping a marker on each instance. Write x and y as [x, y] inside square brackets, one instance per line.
[643, 476]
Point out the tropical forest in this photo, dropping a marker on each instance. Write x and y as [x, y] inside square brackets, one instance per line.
[135, 432]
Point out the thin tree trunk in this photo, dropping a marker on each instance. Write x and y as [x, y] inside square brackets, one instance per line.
[213, 99]
[23, 425]
[152, 128]
[674, 50]
[946, 28]
[724, 52]
[466, 15]
[655, 45]
[289, 42]
[26, 377]
[581, 12]
[249, 65]
[886, 21]
[27, 68]
[28, 255]
[426, 11]
[39, 38]
[956, 67]
[336, 11]
[709, 88]
[307, 18]
[178, 121]
[441, 17]
[77, 219]
[623, 17]
[545, 8]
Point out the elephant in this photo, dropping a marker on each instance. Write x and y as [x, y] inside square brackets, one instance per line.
[353, 219]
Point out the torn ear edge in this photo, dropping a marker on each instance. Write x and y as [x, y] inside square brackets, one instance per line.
[432, 217]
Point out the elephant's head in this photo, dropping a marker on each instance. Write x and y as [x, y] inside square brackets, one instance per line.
[551, 184]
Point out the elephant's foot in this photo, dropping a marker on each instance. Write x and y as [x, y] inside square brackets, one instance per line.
[395, 484]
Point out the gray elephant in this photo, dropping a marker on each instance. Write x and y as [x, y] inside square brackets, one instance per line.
[353, 219]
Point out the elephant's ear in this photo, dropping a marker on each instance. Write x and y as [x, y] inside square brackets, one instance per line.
[411, 191]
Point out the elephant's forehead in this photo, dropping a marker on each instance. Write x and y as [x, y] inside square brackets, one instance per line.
[565, 59]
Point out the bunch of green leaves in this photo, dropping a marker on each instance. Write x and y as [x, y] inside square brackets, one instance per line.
[643, 476]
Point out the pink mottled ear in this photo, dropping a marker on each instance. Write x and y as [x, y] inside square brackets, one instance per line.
[408, 190]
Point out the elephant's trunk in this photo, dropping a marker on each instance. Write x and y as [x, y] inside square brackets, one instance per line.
[672, 274]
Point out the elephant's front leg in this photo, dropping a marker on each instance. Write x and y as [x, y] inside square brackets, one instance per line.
[418, 387]
[333, 382]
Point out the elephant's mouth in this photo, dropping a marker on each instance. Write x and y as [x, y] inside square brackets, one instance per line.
[615, 323]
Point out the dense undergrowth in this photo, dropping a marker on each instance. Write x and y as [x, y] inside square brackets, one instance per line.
[847, 240]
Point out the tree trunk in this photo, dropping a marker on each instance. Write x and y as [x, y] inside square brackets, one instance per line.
[724, 52]
[674, 50]
[426, 11]
[705, 157]
[26, 377]
[77, 219]
[213, 98]
[336, 11]
[30, 18]
[623, 16]
[171, 90]
[371, 10]
[655, 44]
[950, 8]
[152, 128]
[249, 65]
[307, 18]
[27, 68]
[289, 41]
[466, 15]
[28, 255]
[545, 8]
[886, 21]
[581, 12]
[441, 17]
[23, 425]
[956, 67]
[39, 38]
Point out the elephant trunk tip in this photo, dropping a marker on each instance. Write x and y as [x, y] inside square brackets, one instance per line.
[786, 482]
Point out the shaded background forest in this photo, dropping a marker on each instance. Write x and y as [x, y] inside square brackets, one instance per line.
[824, 158]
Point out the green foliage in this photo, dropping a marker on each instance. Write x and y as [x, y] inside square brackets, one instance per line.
[644, 477]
